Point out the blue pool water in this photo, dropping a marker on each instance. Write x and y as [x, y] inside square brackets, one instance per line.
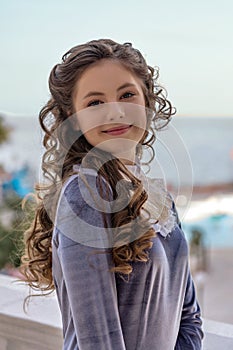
[217, 231]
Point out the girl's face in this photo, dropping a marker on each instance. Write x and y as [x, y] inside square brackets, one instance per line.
[110, 108]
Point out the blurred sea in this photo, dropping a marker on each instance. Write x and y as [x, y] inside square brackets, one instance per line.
[199, 145]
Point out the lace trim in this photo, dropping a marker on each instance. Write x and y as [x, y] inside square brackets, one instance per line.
[159, 202]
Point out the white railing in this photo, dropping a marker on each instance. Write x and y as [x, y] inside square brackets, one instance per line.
[40, 328]
[218, 335]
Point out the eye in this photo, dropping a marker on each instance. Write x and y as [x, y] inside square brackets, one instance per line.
[127, 95]
[94, 103]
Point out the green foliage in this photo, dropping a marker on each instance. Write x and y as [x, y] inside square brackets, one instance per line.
[11, 237]
[4, 131]
[12, 231]
[10, 243]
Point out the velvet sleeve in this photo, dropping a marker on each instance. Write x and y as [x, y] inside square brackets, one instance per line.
[190, 332]
[86, 264]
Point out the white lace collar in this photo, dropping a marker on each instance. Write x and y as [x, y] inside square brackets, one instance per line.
[159, 202]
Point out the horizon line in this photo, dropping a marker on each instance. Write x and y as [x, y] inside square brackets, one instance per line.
[26, 115]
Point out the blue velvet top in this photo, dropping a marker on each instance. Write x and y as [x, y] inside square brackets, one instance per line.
[155, 308]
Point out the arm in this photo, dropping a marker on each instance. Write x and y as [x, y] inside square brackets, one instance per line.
[190, 332]
[90, 286]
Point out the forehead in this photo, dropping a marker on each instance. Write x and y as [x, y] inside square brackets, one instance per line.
[104, 75]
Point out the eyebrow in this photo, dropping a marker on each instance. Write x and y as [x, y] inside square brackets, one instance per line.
[97, 93]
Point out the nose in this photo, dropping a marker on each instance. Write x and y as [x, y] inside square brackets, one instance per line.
[115, 111]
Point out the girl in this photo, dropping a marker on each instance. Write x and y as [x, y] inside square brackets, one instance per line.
[106, 237]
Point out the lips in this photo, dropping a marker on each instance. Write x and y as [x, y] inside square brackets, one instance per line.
[118, 130]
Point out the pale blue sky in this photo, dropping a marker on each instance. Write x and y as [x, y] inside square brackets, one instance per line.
[191, 42]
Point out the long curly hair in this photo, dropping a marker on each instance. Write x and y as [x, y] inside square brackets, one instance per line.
[60, 155]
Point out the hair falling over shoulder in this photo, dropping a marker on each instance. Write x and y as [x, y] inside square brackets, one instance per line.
[61, 154]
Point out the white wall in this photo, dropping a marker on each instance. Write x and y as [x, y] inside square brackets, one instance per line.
[40, 328]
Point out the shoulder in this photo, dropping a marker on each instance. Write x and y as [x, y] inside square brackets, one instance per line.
[86, 188]
[82, 212]
[175, 212]
[169, 230]
[176, 232]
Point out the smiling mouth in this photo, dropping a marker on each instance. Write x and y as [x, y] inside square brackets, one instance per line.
[118, 130]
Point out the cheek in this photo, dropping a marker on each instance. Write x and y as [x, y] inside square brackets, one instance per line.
[89, 127]
[88, 119]
[136, 114]
[91, 136]
[141, 120]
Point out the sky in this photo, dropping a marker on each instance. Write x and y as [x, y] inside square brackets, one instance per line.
[190, 41]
